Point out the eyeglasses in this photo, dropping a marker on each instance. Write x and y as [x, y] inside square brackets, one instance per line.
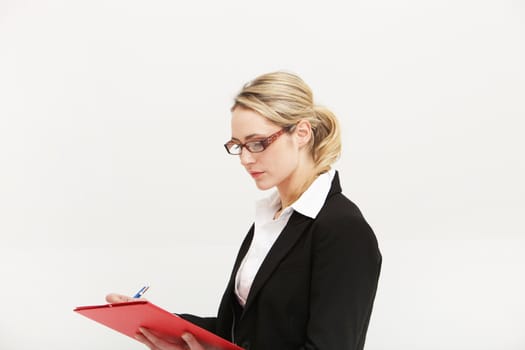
[235, 148]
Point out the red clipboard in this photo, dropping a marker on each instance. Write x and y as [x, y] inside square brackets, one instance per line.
[127, 317]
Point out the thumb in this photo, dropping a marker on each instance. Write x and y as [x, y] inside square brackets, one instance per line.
[114, 298]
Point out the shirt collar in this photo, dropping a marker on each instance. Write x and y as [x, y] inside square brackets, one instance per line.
[310, 202]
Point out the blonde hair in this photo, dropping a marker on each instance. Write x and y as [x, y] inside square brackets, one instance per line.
[285, 99]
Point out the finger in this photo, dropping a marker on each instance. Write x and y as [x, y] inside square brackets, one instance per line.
[144, 341]
[114, 298]
[117, 298]
[160, 343]
[192, 343]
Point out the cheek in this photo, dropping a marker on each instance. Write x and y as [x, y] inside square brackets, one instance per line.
[278, 167]
[283, 163]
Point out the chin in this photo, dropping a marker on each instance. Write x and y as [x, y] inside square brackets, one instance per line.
[263, 185]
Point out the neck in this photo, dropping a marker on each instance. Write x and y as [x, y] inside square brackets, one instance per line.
[293, 187]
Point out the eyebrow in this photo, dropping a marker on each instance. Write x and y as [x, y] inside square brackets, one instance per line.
[251, 136]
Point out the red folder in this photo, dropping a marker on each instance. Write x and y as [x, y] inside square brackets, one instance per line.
[126, 318]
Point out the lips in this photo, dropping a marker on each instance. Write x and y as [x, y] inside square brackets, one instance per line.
[256, 174]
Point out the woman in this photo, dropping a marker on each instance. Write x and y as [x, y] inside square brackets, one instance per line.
[307, 272]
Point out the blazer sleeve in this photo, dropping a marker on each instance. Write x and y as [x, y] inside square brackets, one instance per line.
[345, 270]
[208, 323]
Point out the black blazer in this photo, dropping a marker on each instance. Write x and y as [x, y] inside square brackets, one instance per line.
[314, 290]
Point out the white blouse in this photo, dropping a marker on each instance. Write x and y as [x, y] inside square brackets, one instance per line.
[267, 229]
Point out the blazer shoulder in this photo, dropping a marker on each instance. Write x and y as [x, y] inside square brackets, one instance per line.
[338, 207]
[342, 219]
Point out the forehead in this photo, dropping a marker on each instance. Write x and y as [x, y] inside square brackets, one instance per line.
[247, 122]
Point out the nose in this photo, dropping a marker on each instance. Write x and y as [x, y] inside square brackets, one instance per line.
[246, 157]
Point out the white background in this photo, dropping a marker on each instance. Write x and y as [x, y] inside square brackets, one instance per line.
[112, 172]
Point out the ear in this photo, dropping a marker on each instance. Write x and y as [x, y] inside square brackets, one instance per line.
[303, 132]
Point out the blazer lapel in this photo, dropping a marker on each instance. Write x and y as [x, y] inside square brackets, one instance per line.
[230, 288]
[286, 240]
[242, 251]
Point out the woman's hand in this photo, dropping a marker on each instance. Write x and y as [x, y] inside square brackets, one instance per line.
[155, 342]
[115, 298]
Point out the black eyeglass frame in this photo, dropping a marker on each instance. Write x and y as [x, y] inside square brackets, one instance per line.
[264, 142]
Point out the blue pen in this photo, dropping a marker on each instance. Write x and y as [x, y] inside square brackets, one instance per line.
[141, 292]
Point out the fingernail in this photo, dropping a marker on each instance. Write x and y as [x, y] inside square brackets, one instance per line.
[186, 337]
